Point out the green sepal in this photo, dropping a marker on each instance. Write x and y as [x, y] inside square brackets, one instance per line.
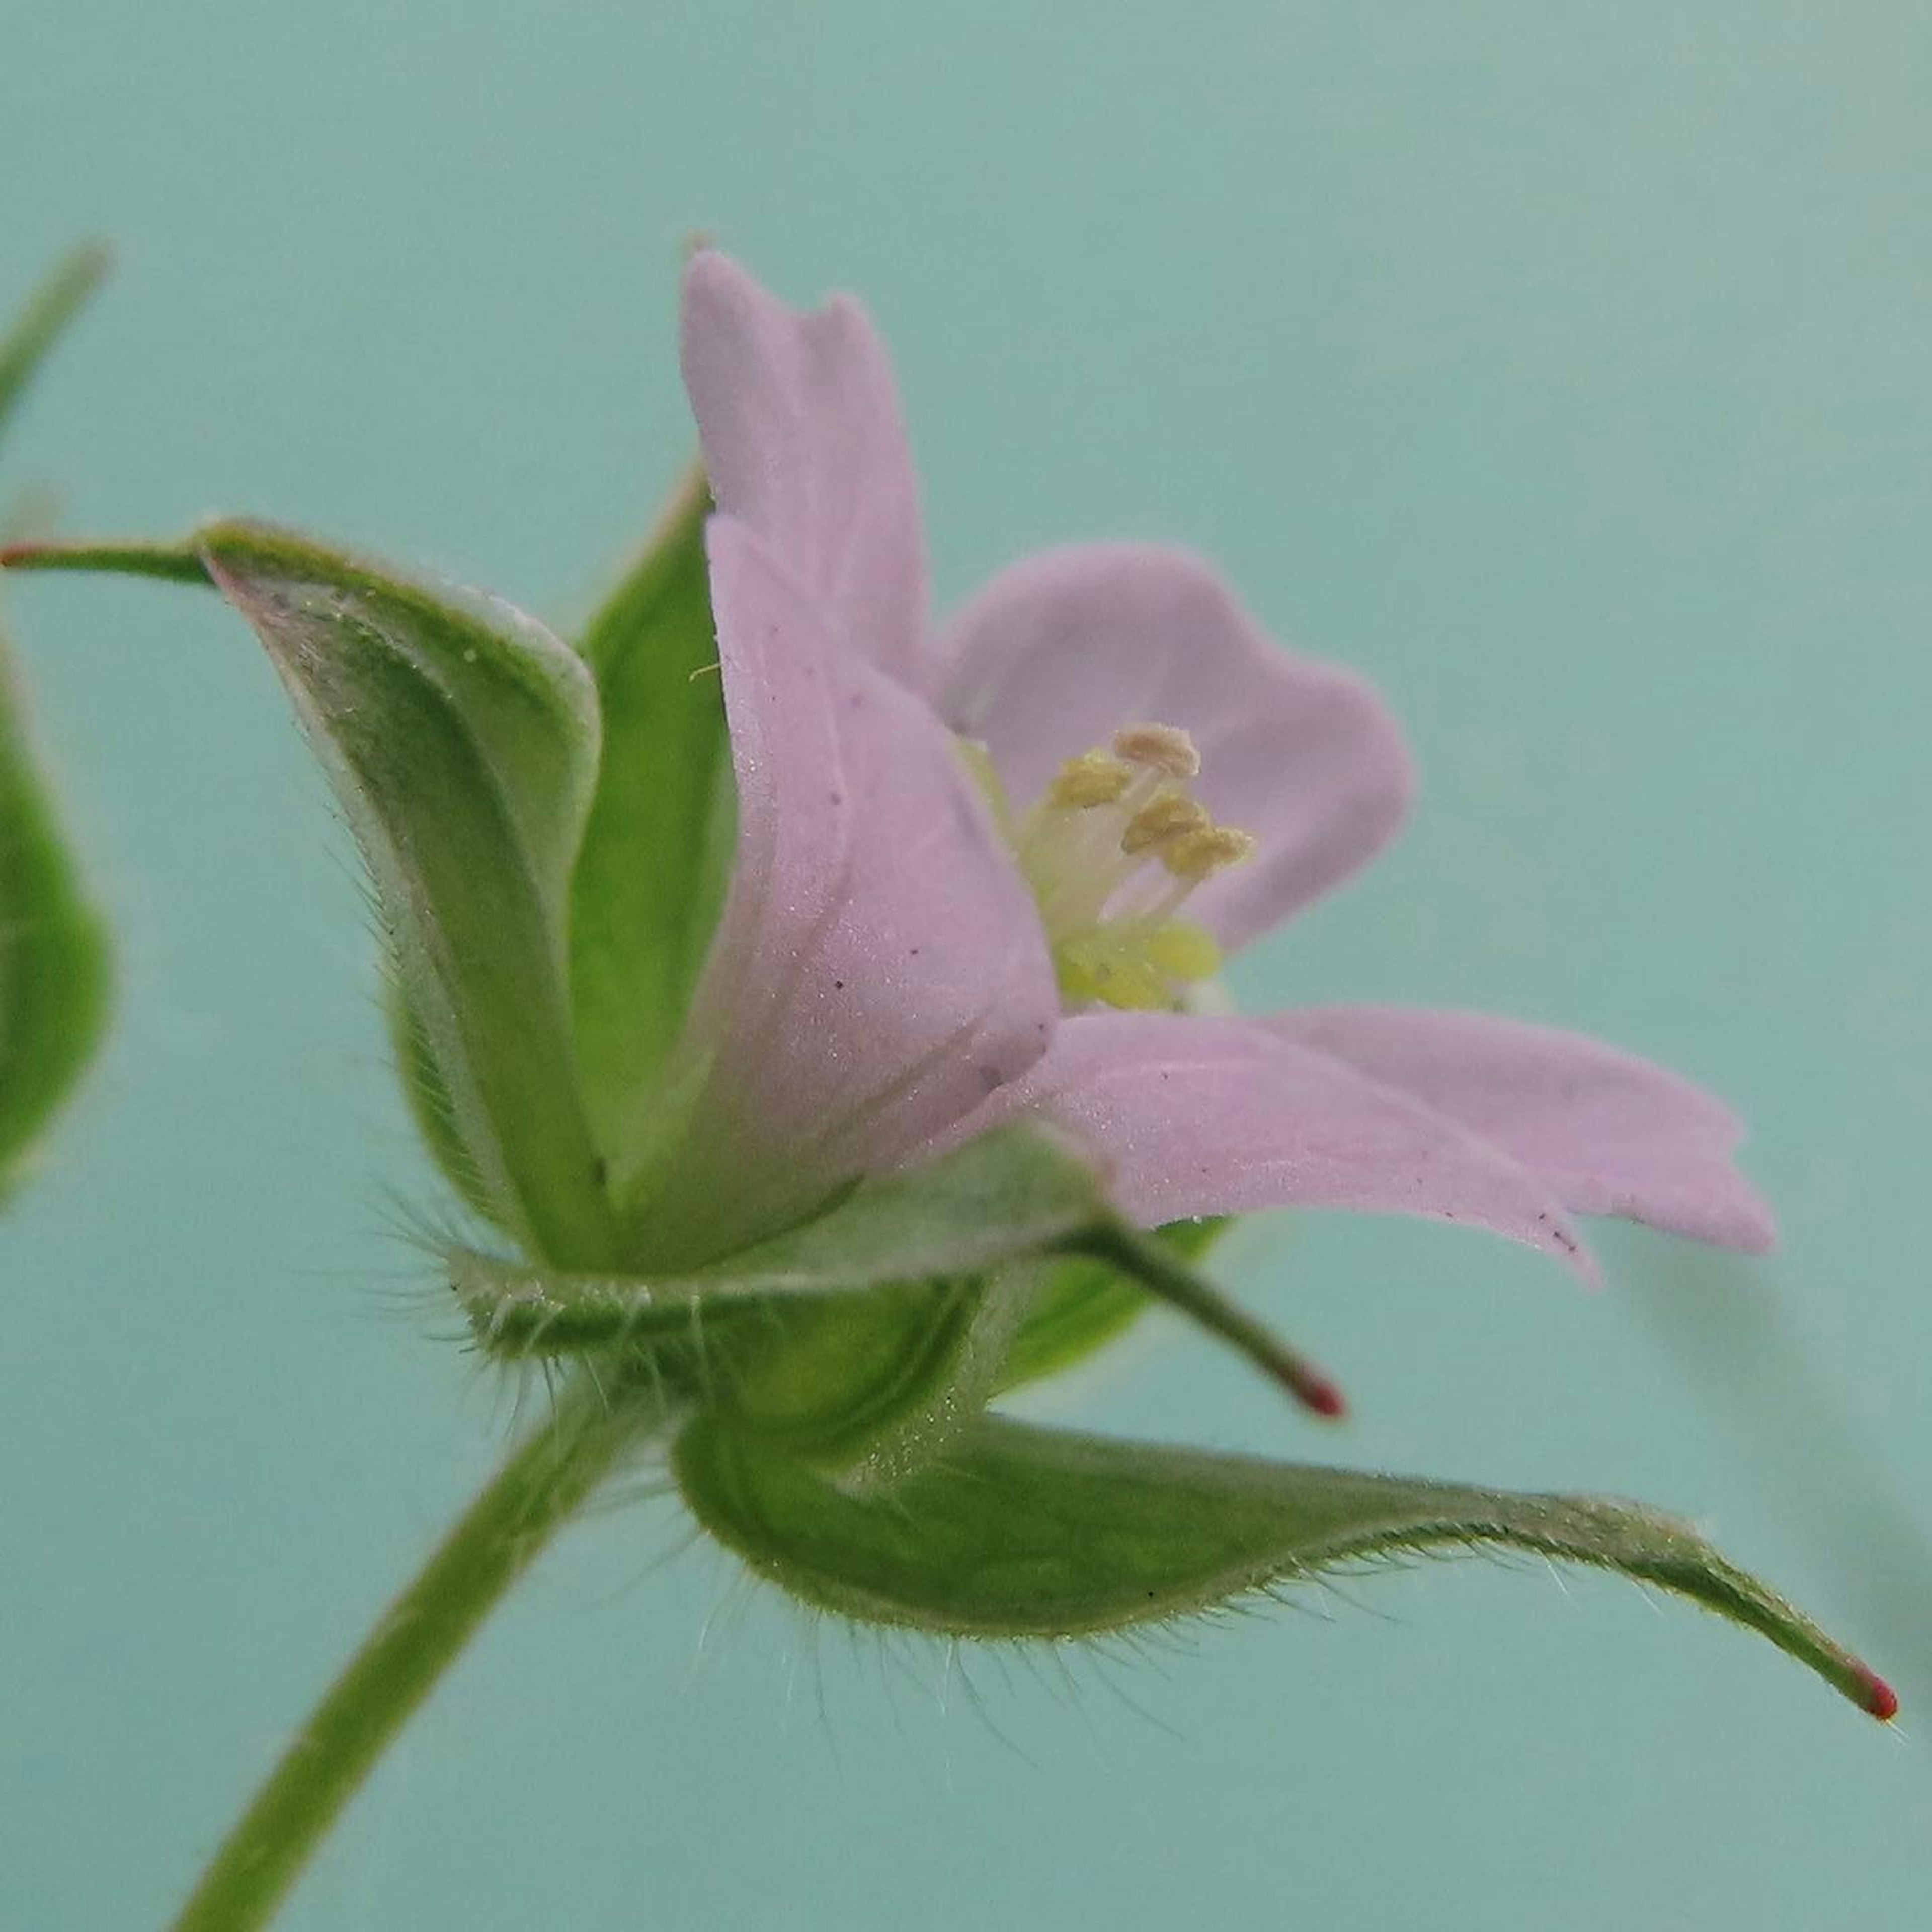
[865, 1386]
[869, 1388]
[55, 971]
[1084, 1302]
[432, 1108]
[1007, 1194]
[462, 739]
[1014, 1201]
[650, 876]
[1019, 1532]
[860, 1342]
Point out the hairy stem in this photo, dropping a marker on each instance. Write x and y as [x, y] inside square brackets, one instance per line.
[422, 1633]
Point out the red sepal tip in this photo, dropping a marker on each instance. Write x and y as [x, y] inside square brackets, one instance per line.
[1881, 1699]
[1319, 1393]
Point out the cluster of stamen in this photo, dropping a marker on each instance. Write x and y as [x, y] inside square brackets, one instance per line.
[1113, 849]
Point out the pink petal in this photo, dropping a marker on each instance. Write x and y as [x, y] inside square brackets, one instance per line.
[879, 969]
[1606, 1132]
[1058, 652]
[1199, 1116]
[803, 438]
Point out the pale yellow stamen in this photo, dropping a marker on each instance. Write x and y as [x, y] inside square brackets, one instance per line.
[1165, 747]
[1113, 847]
[1094, 779]
[1199, 854]
[1167, 815]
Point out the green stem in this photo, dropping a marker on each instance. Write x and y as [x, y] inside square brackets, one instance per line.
[418, 1637]
[172, 563]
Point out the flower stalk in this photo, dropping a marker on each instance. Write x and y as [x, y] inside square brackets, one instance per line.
[418, 1637]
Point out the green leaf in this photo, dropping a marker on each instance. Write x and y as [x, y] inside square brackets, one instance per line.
[55, 971]
[1085, 1303]
[45, 319]
[462, 739]
[1007, 1194]
[1024, 1532]
[650, 877]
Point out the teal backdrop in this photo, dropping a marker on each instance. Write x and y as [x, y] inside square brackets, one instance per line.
[1562, 366]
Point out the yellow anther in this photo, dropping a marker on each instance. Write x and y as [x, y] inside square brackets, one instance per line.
[1194, 855]
[1095, 778]
[1113, 849]
[1165, 747]
[1167, 815]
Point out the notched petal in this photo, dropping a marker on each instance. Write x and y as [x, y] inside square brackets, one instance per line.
[1057, 653]
[802, 434]
[1606, 1132]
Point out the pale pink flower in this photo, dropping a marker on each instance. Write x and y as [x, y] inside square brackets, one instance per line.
[972, 884]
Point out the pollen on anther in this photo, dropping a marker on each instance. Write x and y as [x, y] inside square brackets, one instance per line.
[1194, 855]
[1165, 747]
[1094, 779]
[1166, 816]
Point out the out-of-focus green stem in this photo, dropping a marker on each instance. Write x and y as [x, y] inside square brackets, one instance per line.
[53, 306]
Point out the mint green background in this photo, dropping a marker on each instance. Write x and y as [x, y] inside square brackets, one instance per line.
[1564, 366]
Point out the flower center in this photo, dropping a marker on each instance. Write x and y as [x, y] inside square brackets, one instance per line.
[1113, 849]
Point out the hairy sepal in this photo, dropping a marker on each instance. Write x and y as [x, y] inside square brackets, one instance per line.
[1018, 1532]
[869, 1389]
[860, 1342]
[1009, 1194]
[650, 875]
[462, 739]
[433, 1109]
[1017, 1202]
